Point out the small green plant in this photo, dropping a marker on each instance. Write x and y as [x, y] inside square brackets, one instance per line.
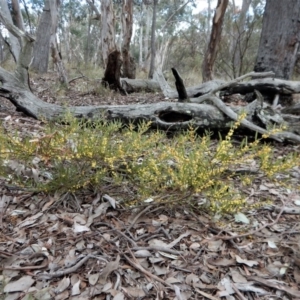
[91, 155]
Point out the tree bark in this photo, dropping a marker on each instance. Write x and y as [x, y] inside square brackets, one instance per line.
[238, 37]
[107, 29]
[56, 57]
[14, 44]
[153, 48]
[112, 73]
[279, 42]
[42, 45]
[17, 14]
[127, 23]
[215, 36]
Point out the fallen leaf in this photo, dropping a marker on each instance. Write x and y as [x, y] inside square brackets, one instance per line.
[80, 228]
[249, 263]
[21, 285]
[241, 218]
[63, 285]
[237, 276]
[30, 220]
[221, 262]
[93, 278]
[191, 279]
[109, 268]
[111, 200]
[134, 292]
[76, 288]
[214, 246]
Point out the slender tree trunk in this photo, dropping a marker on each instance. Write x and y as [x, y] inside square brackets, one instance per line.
[14, 44]
[208, 24]
[107, 29]
[56, 57]
[17, 15]
[279, 42]
[127, 22]
[141, 37]
[147, 38]
[215, 36]
[240, 24]
[42, 45]
[88, 40]
[153, 28]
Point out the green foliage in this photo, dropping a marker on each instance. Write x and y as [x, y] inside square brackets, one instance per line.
[180, 170]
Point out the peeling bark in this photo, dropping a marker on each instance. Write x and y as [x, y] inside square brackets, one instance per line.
[215, 36]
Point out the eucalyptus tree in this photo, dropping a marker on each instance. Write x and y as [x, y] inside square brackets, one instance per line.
[211, 52]
[280, 38]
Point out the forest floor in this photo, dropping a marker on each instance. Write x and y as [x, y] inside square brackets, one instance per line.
[90, 247]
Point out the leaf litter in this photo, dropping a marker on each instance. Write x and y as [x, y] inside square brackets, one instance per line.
[97, 249]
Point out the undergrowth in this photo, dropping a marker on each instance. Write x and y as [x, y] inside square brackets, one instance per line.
[186, 169]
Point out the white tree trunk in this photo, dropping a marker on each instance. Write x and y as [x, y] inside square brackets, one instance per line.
[15, 47]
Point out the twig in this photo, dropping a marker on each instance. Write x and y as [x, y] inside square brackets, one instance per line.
[238, 291]
[159, 248]
[68, 270]
[33, 267]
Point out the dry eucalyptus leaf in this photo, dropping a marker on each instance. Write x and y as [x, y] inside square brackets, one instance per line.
[76, 288]
[160, 270]
[221, 262]
[63, 285]
[21, 285]
[142, 253]
[93, 278]
[134, 292]
[119, 296]
[80, 228]
[214, 246]
[109, 268]
[191, 279]
[237, 276]
[249, 263]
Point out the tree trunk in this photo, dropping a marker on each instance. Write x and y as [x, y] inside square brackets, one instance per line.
[215, 36]
[238, 37]
[56, 57]
[141, 35]
[107, 29]
[147, 52]
[127, 22]
[279, 40]
[14, 44]
[112, 72]
[42, 45]
[17, 15]
[153, 48]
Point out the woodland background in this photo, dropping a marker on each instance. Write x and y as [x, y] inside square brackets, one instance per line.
[181, 36]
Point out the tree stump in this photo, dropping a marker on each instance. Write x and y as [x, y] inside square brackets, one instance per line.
[112, 73]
